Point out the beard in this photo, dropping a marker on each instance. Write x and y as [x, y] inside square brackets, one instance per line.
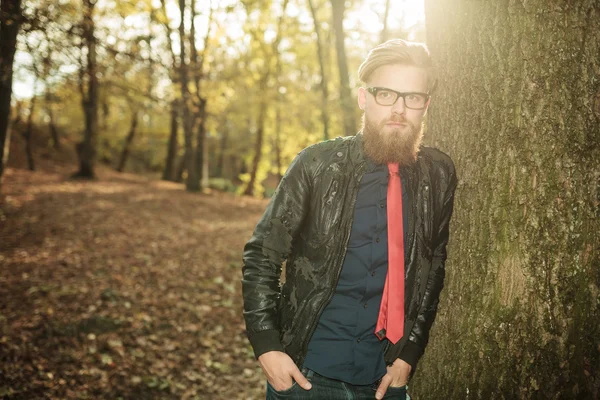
[399, 145]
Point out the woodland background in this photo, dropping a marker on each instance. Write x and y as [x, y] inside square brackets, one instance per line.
[136, 169]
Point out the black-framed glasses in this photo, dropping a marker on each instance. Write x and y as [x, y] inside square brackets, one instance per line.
[387, 97]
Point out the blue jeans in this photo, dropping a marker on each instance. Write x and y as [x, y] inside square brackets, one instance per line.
[331, 389]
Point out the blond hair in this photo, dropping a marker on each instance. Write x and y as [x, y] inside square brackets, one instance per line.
[398, 51]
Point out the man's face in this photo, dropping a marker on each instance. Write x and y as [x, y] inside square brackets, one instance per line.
[393, 133]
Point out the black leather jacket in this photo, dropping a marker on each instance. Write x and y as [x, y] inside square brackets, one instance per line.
[308, 223]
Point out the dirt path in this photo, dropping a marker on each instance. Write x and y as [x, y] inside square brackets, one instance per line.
[122, 288]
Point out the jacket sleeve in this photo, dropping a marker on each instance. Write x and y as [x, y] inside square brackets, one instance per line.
[419, 335]
[267, 249]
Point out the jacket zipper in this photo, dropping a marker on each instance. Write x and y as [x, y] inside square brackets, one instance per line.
[313, 325]
[426, 226]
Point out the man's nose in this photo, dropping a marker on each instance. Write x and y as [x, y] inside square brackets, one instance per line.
[398, 107]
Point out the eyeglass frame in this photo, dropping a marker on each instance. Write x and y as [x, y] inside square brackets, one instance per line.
[374, 89]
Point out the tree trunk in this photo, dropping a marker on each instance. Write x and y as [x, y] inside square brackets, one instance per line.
[257, 148]
[384, 32]
[278, 105]
[191, 182]
[86, 149]
[181, 168]
[323, 83]
[172, 146]
[47, 71]
[201, 160]
[171, 172]
[277, 140]
[29, 132]
[10, 21]
[53, 130]
[222, 150]
[205, 162]
[103, 126]
[262, 114]
[128, 141]
[346, 100]
[201, 144]
[519, 315]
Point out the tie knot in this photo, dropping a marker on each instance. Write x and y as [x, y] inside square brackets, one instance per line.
[393, 168]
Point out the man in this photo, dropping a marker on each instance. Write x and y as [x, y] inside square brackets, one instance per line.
[364, 245]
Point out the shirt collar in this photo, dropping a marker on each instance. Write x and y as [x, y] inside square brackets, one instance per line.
[370, 164]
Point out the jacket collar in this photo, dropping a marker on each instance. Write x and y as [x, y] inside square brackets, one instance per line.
[357, 155]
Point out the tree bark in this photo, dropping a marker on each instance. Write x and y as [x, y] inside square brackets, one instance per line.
[86, 149]
[346, 99]
[518, 109]
[10, 22]
[128, 141]
[168, 172]
[323, 83]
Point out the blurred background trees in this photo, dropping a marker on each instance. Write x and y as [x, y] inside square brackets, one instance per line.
[209, 93]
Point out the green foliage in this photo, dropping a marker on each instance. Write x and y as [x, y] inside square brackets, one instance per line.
[222, 184]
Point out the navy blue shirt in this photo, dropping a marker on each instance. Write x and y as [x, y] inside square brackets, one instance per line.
[344, 345]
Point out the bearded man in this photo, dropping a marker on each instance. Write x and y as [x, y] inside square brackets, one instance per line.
[362, 223]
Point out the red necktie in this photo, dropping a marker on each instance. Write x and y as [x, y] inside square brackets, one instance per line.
[390, 322]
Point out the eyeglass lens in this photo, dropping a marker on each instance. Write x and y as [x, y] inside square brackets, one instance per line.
[411, 100]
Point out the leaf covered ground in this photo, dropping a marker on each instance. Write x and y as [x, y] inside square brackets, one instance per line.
[122, 287]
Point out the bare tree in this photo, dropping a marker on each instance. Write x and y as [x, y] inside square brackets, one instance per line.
[323, 83]
[346, 100]
[88, 84]
[172, 146]
[263, 107]
[10, 21]
[197, 62]
[168, 171]
[128, 140]
[385, 32]
[187, 121]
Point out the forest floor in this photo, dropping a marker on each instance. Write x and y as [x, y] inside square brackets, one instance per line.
[122, 288]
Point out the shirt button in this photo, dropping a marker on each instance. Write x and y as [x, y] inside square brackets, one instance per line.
[358, 340]
[382, 205]
[377, 240]
[373, 273]
[365, 305]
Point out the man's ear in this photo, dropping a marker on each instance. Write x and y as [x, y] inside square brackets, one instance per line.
[362, 98]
